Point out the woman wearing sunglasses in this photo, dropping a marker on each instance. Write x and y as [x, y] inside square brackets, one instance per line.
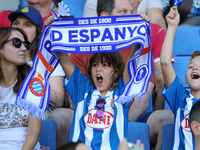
[18, 129]
[30, 20]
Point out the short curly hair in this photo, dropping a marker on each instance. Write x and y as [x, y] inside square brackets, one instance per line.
[195, 54]
[113, 59]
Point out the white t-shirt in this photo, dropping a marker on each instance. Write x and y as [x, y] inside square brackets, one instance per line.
[57, 72]
[148, 4]
[13, 121]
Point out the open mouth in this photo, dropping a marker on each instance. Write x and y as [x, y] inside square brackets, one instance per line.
[99, 78]
[195, 75]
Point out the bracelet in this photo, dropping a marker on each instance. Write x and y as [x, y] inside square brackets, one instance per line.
[55, 96]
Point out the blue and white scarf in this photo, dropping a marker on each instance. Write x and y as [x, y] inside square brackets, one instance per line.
[87, 35]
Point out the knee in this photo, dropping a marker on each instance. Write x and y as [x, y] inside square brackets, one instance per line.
[161, 118]
[61, 115]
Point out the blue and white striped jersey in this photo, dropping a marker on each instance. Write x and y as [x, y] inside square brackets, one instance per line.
[180, 101]
[95, 133]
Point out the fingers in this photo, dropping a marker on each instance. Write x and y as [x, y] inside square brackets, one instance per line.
[138, 143]
[172, 13]
[144, 16]
[49, 21]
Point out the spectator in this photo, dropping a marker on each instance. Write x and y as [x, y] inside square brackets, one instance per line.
[31, 22]
[19, 129]
[179, 98]
[153, 8]
[43, 6]
[157, 119]
[109, 68]
[194, 121]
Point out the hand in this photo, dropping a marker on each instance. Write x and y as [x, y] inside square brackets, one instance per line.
[144, 16]
[63, 9]
[123, 145]
[49, 21]
[173, 17]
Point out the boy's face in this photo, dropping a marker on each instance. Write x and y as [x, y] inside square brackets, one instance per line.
[102, 75]
[193, 74]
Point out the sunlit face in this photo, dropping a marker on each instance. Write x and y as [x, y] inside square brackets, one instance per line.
[12, 55]
[25, 24]
[122, 7]
[193, 74]
[102, 75]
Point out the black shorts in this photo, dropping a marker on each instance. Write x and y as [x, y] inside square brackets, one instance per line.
[144, 117]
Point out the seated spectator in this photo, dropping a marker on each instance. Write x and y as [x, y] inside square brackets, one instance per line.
[89, 93]
[194, 121]
[157, 119]
[154, 11]
[178, 97]
[31, 22]
[19, 129]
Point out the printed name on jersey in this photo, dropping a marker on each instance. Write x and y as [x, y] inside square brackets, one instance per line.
[93, 122]
[185, 123]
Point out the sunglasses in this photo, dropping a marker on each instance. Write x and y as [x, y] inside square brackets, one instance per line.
[18, 43]
[100, 113]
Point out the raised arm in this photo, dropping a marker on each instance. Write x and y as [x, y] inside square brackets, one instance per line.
[173, 20]
[66, 64]
[126, 76]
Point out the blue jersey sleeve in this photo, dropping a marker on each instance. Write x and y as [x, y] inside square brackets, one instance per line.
[77, 86]
[175, 94]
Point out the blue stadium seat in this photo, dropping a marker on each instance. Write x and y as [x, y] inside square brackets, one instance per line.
[180, 67]
[48, 134]
[168, 137]
[139, 131]
[186, 41]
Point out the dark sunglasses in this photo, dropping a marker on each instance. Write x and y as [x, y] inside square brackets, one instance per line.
[18, 43]
[100, 113]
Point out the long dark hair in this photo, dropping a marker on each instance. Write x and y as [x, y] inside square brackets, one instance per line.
[5, 33]
[34, 44]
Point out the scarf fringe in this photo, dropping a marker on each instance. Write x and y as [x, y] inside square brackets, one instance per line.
[126, 99]
[30, 107]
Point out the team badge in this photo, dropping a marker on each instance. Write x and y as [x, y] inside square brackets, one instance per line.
[36, 86]
[112, 103]
[141, 73]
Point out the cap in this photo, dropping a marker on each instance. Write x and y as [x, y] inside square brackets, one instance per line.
[30, 12]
